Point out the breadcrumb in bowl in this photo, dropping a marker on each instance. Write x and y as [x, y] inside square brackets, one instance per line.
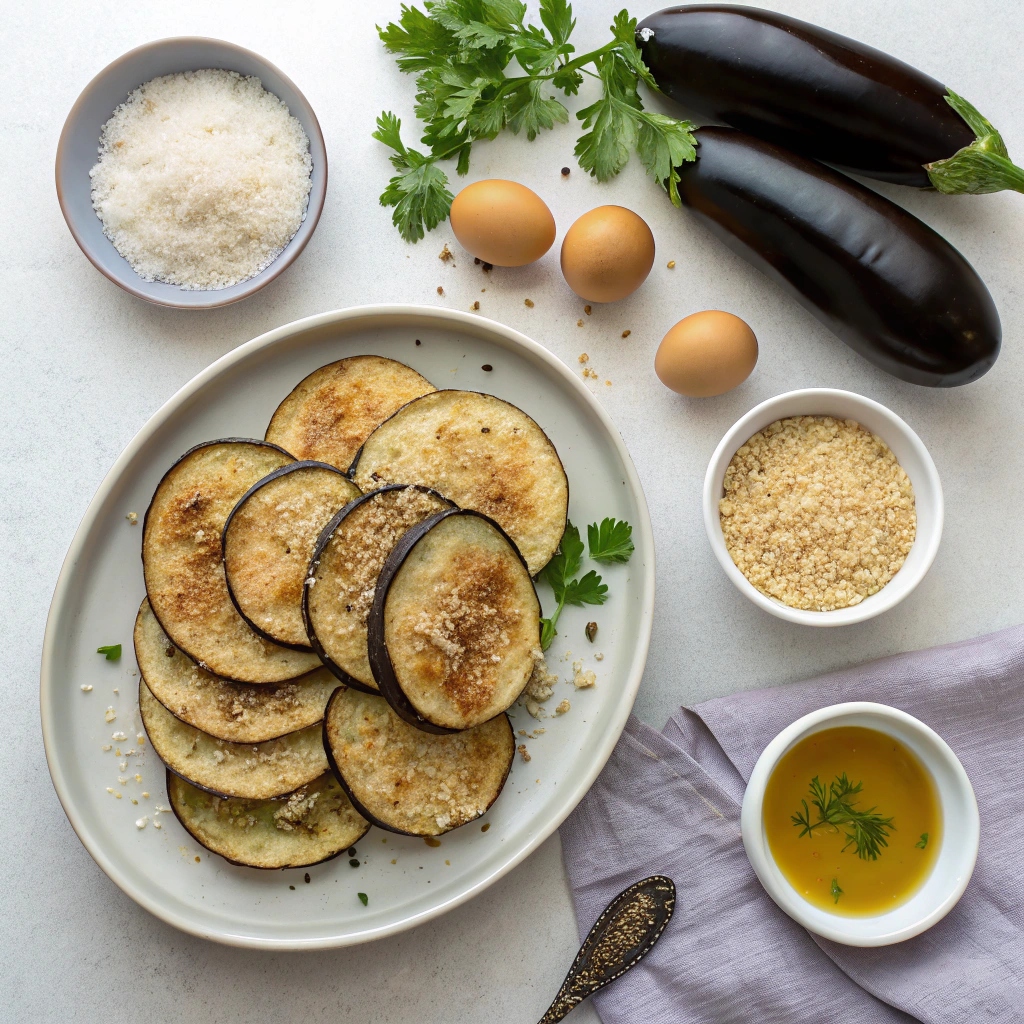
[863, 529]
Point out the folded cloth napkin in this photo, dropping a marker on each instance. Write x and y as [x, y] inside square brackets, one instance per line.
[669, 803]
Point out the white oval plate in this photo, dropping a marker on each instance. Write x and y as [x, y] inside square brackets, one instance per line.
[101, 585]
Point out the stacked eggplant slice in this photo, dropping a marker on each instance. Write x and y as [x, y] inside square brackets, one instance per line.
[339, 616]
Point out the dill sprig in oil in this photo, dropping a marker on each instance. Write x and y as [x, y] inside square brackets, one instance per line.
[866, 831]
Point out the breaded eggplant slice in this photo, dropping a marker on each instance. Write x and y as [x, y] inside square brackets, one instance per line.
[454, 630]
[342, 575]
[408, 781]
[481, 453]
[184, 569]
[331, 412]
[239, 712]
[311, 825]
[268, 542]
[254, 771]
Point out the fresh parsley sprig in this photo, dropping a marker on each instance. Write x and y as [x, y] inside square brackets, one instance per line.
[609, 542]
[461, 52]
[612, 541]
[111, 651]
[865, 831]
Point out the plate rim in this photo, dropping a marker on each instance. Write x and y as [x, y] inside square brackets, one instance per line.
[578, 784]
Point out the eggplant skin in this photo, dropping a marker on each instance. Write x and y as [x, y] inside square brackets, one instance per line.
[893, 289]
[805, 88]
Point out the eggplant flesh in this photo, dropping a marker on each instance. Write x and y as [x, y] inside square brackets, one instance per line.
[805, 88]
[889, 286]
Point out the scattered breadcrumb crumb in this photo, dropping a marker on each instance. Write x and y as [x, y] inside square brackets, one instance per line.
[440, 290]
[584, 358]
[589, 373]
[475, 306]
[583, 679]
[445, 254]
[607, 383]
[523, 752]
[394, 860]
[598, 657]
[157, 824]
[86, 688]
[528, 302]
[140, 738]
[145, 796]
[579, 323]
[563, 707]
[134, 801]
[138, 778]
[587, 310]
[109, 715]
[133, 518]
[106, 747]
[626, 334]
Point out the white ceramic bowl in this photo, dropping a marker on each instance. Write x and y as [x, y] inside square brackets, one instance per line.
[960, 829]
[77, 152]
[909, 451]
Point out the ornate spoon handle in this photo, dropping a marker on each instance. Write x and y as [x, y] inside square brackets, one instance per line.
[621, 937]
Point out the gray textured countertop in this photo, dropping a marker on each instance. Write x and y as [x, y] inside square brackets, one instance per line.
[85, 365]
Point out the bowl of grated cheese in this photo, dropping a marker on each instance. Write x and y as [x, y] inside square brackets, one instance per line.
[191, 172]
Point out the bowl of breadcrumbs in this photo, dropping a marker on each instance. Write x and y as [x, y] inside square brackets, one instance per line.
[823, 507]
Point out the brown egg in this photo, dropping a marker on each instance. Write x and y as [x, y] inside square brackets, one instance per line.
[607, 254]
[502, 222]
[706, 354]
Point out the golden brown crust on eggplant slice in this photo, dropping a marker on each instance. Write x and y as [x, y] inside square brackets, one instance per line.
[268, 541]
[408, 781]
[454, 631]
[306, 827]
[239, 712]
[254, 771]
[343, 574]
[182, 562]
[480, 452]
[330, 413]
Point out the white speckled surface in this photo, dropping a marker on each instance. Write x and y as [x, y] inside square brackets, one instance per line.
[85, 365]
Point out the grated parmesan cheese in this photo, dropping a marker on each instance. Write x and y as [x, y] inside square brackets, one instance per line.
[203, 178]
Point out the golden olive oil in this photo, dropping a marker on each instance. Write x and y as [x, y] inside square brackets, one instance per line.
[893, 782]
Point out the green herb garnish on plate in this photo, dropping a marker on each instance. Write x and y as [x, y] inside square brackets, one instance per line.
[112, 651]
[835, 890]
[866, 831]
[461, 51]
[922, 842]
[612, 541]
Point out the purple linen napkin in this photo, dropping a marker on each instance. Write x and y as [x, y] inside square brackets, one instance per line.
[669, 802]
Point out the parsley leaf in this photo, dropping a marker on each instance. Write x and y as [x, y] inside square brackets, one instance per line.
[922, 842]
[420, 192]
[547, 633]
[461, 52]
[609, 542]
[612, 541]
[566, 561]
[112, 651]
[363, 898]
[588, 590]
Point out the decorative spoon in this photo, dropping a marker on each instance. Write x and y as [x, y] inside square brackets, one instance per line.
[621, 937]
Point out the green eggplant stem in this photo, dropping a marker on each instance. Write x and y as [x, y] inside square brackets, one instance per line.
[983, 166]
